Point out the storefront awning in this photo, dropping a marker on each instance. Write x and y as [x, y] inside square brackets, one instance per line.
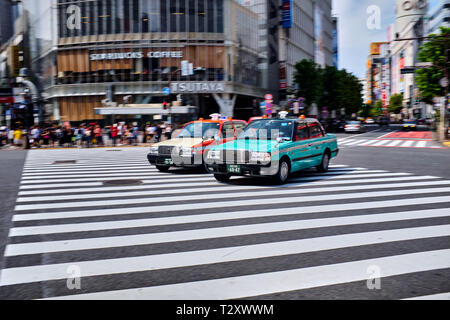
[145, 111]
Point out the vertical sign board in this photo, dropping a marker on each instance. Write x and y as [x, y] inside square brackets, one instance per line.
[283, 76]
[286, 14]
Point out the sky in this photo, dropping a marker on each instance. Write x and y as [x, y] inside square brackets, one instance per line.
[354, 35]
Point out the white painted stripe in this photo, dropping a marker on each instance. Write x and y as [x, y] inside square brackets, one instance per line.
[183, 177]
[421, 144]
[370, 142]
[121, 177]
[394, 143]
[439, 296]
[19, 275]
[250, 213]
[407, 143]
[380, 143]
[223, 202]
[281, 281]
[100, 175]
[59, 185]
[179, 191]
[217, 187]
[357, 142]
[211, 233]
[344, 143]
[57, 172]
[139, 223]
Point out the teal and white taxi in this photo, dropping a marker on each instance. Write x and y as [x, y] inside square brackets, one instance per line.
[276, 148]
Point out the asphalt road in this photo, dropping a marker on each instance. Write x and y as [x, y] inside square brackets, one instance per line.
[181, 235]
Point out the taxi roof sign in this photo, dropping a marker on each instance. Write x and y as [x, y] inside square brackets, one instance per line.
[215, 116]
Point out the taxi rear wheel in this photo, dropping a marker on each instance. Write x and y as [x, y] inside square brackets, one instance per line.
[222, 177]
[283, 172]
[323, 167]
[163, 168]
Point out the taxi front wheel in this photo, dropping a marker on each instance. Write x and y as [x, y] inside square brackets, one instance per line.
[283, 172]
[222, 177]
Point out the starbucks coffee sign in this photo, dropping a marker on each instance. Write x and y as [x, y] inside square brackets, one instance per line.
[136, 55]
[197, 87]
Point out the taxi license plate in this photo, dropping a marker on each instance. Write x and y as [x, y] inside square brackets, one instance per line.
[168, 161]
[232, 168]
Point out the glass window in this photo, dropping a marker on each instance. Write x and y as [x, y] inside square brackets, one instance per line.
[192, 16]
[201, 16]
[182, 16]
[163, 4]
[219, 20]
[268, 130]
[145, 16]
[205, 130]
[210, 15]
[100, 17]
[173, 15]
[108, 16]
[91, 18]
[136, 10]
[302, 132]
[118, 16]
[239, 126]
[126, 18]
[315, 130]
[227, 130]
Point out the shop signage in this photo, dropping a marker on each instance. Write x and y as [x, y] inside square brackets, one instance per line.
[197, 87]
[136, 55]
[286, 13]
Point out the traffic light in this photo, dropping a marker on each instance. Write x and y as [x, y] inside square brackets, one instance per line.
[165, 105]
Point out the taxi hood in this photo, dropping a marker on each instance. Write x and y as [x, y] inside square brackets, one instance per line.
[250, 145]
[180, 142]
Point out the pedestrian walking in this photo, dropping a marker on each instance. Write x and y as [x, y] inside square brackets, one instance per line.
[98, 133]
[114, 134]
[18, 136]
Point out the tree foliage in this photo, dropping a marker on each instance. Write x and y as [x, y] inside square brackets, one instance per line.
[433, 51]
[377, 109]
[396, 103]
[328, 87]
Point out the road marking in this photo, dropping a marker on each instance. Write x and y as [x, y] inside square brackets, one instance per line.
[421, 144]
[222, 200]
[394, 143]
[380, 143]
[200, 184]
[210, 233]
[439, 296]
[281, 281]
[177, 192]
[12, 276]
[407, 144]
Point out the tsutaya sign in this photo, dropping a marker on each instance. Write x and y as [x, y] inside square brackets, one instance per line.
[197, 87]
[136, 55]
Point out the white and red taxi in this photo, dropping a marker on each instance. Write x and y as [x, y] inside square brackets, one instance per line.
[192, 142]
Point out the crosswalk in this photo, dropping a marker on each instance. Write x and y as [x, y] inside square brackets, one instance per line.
[182, 235]
[389, 143]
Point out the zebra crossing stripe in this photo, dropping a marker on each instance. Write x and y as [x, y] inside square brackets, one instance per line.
[210, 233]
[394, 143]
[29, 274]
[178, 191]
[439, 296]
[408, 143]
[225, 203]
[281, 281]
[421, 144]
[93, 188]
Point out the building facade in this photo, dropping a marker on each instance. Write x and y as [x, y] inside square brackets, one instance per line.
[202, 56]
[439, 17]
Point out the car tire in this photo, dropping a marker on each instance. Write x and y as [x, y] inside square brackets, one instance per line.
[163, 168]
[284, 170]
[222, 177]
[323, 167]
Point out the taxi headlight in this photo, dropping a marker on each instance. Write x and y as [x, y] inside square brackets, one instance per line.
[214, 155]
[154, 151]
[260, 156]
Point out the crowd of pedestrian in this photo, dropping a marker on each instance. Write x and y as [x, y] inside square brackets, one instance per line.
[85, 135]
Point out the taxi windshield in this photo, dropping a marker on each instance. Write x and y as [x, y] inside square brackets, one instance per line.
[268, 130]
[205, 130]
